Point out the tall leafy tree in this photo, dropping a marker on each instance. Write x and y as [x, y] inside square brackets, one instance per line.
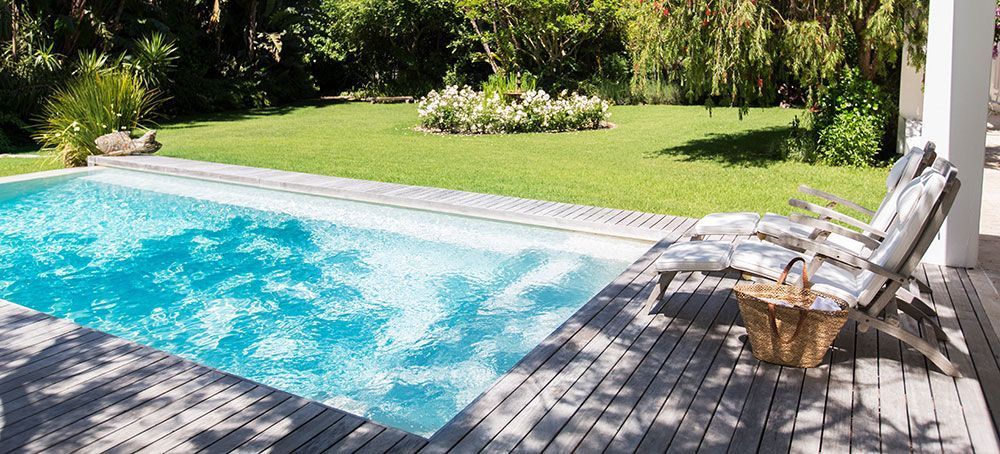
[549, 38]
[731, 48]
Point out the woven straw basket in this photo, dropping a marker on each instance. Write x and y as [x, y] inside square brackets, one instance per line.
[791, 336]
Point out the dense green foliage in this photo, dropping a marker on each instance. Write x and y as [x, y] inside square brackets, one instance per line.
[663, 159]
[229, 53]
[740, 52]
[853, 121]
[388, 46]
[91, 106]
[232, 54]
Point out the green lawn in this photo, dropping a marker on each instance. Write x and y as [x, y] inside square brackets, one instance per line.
[13, 166]
[666, 159]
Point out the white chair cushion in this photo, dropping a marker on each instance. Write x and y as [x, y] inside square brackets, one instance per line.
[839, 282]
[848, 245]
[768, 260]
[695, 256]
[777, 225]
[726, 224]
[761, 258]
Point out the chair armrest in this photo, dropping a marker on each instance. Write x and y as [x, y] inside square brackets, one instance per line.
[827, 226]
[835, 199]
[831, 214]
[841, 257]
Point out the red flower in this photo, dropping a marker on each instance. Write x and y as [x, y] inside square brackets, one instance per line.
[760, 83]
[666, 11]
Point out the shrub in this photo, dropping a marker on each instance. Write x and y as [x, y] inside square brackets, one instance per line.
[853, 121]
[466, 111]
[851, 139]
[89, 107]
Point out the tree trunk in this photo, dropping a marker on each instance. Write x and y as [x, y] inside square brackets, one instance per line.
[115, 23]
[490, 58]
[214, 25]
[76, 11]
[14, 19]
[865, 62]
[251, 28]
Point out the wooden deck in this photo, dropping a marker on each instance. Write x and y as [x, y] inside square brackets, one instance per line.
[617, 376]
[65, 388]
[679, 377]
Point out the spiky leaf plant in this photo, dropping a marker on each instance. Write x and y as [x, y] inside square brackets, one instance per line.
[153, 58]
[89, 107]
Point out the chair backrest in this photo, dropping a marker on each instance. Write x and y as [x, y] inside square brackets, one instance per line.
[922, 206]
[906, 168]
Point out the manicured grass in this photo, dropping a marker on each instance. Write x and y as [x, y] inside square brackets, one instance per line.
[666, 159]
[13, 166]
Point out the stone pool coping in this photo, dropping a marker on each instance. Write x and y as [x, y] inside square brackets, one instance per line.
[634, 225]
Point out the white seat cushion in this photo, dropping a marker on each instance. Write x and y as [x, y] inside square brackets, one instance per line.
[768, 260]
[695, 256]
[726, 224]
[839, 282]
[761, 258]
[848, 245]
[777, 225]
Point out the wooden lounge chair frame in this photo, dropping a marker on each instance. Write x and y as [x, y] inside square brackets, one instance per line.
[897, 290]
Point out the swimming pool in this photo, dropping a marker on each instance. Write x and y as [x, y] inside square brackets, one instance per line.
[403, 316]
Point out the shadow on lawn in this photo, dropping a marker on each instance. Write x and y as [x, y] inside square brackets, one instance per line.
[756, 148]
[196, 121]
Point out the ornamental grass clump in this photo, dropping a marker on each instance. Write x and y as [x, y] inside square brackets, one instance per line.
[91, 106]
[466, 111]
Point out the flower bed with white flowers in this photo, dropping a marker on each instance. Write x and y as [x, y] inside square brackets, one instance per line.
[466, 111]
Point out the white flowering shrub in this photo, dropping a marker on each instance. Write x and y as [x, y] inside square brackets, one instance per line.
[466, 111]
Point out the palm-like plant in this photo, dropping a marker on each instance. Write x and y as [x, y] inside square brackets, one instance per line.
[92, 62]
[153, 58]
[45, 57]
[91, 106]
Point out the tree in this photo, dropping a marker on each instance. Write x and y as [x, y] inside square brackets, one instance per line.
[732, 48]
[549, 38]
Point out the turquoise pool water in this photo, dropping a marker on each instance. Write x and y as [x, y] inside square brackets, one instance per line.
[399, 315]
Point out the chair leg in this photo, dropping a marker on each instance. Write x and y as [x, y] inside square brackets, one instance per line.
[922, 317]
[663, 280]
[930, 351]
[922, 286]
[916, 300]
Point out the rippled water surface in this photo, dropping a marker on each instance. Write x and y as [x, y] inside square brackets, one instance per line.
[399, 315]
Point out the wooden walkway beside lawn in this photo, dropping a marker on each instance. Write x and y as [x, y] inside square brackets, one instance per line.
[618, 376]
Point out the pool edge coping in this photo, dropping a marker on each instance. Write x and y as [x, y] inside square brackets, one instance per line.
[352, 189]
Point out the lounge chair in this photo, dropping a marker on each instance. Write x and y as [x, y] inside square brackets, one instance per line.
[869, 283]
[906, 168]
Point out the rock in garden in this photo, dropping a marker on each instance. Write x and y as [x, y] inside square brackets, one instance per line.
[122, 144]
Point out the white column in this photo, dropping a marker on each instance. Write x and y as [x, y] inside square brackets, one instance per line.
[911, 103]
[956, 90]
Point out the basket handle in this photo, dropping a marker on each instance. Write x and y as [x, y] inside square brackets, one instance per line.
[788, 268]
[772, 317]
